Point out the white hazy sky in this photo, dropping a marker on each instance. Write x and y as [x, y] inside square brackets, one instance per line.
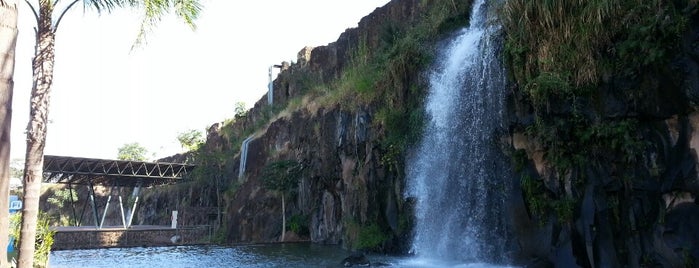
[105, 95]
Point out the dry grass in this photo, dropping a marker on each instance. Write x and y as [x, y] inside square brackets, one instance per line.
[562, 36]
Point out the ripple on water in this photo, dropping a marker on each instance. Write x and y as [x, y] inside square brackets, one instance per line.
[274, 255]
[278, 255]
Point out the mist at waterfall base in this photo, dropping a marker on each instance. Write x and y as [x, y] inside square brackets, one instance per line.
[458, 176]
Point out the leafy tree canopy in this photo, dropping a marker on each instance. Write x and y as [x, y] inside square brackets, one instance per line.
[132, 152]
[281, 175]
[240, 110]
[17, 168]
[190, 139]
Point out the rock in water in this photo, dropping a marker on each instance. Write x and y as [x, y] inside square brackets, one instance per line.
[356, 259]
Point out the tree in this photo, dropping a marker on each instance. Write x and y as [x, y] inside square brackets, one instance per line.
[16, 168]
[8, 41]
[132, 152]
[282, 177]
[46, 25]
[190, 139]
[240, 110]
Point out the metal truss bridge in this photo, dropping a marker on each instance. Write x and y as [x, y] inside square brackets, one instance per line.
[110, 173]
[87, 171]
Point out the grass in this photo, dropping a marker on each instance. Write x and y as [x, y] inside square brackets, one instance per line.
[560, 52]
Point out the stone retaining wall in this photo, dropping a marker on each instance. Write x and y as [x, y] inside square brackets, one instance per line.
[107, 238]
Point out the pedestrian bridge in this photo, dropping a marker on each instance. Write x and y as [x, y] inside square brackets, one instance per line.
[76, 171]
[92, 171]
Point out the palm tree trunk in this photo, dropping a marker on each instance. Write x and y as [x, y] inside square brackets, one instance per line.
[283, 219]
[8, 42]
[42, 66]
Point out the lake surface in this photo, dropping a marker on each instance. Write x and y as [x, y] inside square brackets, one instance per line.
[269, 255]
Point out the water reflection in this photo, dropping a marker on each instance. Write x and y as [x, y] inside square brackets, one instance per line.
[270, 255]
[281, 255]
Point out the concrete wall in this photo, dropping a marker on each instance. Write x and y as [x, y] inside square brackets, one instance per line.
[82, 238]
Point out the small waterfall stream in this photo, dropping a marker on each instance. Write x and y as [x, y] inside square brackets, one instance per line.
[244, 156]
[458, 175]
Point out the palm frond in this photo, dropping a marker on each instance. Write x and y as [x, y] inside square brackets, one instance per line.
[188, 11]
[102, 5]
[154, 10]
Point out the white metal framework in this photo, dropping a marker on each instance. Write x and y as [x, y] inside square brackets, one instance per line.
[110, 173]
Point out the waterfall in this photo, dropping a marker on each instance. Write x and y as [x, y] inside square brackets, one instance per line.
[458, 175]
[244, 156]
[270, 87]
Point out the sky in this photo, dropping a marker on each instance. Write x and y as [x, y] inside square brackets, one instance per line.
[105, 95]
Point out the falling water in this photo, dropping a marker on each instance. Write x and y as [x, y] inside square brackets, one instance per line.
[243, 156]
[458, 176]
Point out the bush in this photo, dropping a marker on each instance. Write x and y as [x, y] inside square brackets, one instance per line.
[371, 237]
[298, 224]
[44, 237]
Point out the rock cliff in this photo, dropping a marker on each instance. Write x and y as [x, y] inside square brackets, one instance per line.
[351, 188]
[603, 136]
[349, 191]
[604, 127]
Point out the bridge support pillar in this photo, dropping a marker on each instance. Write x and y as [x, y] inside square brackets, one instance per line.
[94, 206]
[106, 208]
[121, 206]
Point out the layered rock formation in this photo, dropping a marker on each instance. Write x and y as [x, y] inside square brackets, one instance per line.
[605, 178]
[607, 145]
[347, 184]
[350, 189]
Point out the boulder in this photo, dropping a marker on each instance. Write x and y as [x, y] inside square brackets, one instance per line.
[356, 259]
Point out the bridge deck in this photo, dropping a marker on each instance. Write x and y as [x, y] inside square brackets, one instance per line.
[92, 171]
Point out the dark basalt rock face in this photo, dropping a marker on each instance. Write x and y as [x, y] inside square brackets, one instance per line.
[648, 219]
[345, 181]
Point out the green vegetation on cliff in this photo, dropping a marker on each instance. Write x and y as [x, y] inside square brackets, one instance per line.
[591, 73]
[561, 52]
[559, 48]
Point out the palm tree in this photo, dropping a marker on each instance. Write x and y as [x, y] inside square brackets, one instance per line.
[8, 40]
[42, 65]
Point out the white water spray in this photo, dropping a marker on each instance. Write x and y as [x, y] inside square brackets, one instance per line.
[458, 175]
[244, 156]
